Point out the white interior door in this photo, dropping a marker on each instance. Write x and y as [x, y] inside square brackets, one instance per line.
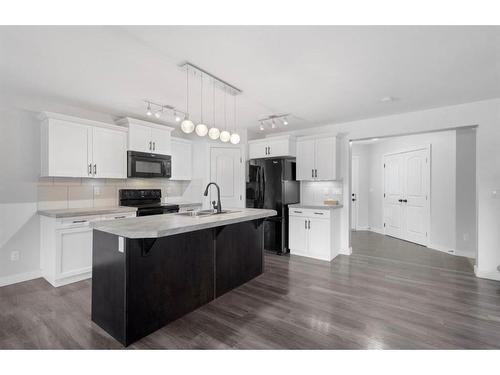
[226, 170]
[393, 195]
[416, 199]
[406, 195]
[354, 192]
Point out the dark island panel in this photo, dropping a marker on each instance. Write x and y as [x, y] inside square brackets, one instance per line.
[239, 255]
[168, 278]
[149, 282]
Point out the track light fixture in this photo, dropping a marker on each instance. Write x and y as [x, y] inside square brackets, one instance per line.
[272, 119]
[160, 109]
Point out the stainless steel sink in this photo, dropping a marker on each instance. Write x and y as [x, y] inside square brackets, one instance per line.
[202, 213]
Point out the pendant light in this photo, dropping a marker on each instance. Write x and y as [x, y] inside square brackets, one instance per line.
[225, 135]
[187, 125]
[201, 129]
[235, 137]
[214, 132]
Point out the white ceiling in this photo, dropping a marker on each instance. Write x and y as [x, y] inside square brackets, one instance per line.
[321, 75]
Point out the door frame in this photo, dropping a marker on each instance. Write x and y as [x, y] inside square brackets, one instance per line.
[427, 148]
[354, 211]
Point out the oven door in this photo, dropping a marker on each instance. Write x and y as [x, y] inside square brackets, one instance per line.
[144, 165]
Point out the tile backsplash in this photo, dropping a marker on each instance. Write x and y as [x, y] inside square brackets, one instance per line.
[55, 192]
[315, 192]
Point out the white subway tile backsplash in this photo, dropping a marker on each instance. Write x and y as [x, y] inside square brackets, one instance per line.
[316, 192]
[81, 196]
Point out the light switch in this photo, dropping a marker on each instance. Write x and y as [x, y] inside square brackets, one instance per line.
[121, 244]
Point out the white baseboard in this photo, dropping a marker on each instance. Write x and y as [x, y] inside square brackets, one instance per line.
[487, 274]
[376, 230]
[20, 277]
[347, 251]
[363, 228]
[444, 249]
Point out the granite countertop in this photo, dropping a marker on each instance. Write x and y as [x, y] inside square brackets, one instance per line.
[316, 207]
[169, 224]
[73, 212]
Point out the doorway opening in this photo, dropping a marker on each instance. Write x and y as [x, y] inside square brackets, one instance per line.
[417, 188]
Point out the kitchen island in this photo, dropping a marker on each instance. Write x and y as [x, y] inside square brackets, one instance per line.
[148, 271]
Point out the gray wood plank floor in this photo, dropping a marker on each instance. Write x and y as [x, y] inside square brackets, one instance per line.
[388, 294]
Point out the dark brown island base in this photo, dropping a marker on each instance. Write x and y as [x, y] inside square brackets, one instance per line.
[149, 271]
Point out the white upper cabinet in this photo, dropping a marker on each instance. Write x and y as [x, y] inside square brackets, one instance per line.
[74, 147]
[148, 137]
[317, 159]
[109, 153]
[182, 159]
[273, 147]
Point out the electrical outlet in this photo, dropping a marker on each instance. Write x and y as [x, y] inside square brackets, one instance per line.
[97, 190]
[14, 256]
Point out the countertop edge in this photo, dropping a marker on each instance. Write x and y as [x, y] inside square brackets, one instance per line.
[76, 212]
[316, 207]
[183, 229]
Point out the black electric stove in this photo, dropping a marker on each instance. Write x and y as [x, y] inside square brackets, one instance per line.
[147, 201]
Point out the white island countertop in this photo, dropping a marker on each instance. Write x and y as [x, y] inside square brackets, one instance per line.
[169, 224]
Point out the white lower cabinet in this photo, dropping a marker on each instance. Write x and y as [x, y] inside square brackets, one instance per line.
[314, 233]
[66, 247]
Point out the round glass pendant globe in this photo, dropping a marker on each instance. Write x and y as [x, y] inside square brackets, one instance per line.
[235, 138]
[201, 130]
[214, 133]
[225, 136]
[187, 126]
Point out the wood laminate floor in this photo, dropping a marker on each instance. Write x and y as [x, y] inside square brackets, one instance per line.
[388, 294]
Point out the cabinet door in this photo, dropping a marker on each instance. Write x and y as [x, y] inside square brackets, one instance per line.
[139, 138]
[325, 158]
[182, 160]
[161, 141]
[297, 235]
[305, 159]
[257, 150]
[279, 147]
[319, 245]
[109, 153]
[73, 251]
[68, 154]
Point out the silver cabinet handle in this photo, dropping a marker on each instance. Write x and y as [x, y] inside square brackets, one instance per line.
[95, 169]
[90, 168]
[269, 150]
[305, 224]
[315, 173]
[297, 212]
[308, 224]
[154, 146]
[150, 145]
[120, 217]
[79, 221]
[312, 173]
[318, 213]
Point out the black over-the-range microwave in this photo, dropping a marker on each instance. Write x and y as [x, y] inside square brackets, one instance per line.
[146, 165]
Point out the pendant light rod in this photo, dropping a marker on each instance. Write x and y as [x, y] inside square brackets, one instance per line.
[233, 90]
[275, 117]
[161, 107]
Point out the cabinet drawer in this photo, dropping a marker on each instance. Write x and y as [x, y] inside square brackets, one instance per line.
[122, 215]
[78, 221]
[308, 212]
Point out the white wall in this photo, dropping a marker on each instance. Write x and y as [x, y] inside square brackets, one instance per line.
[485, 114]
[466, 230]
[19, 171]
[442, 195]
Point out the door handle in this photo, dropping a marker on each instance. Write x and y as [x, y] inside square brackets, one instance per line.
[150, 145]
[95, 169]
[405, 200]
[312, 173]
[353, 199]
[269, 150]
[154, 146]
[305, 224]
[400, 200]
[315, 173]
[308, 224]
[90, 169]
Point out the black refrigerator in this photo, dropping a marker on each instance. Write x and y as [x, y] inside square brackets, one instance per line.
[271, 183]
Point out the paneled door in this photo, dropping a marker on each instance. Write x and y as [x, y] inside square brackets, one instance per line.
[416, 199]
[305, 159]
[226, 169]
[354, 192]
[109, 153]
[406, 195]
